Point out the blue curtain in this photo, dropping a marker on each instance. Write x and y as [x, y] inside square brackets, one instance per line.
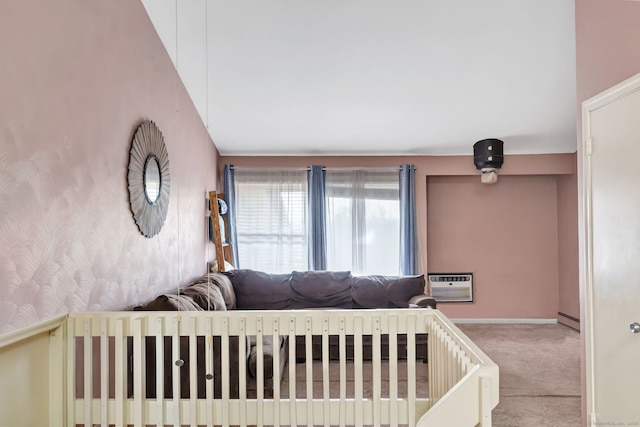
[317, 213]
[229, 188]
[408, 227]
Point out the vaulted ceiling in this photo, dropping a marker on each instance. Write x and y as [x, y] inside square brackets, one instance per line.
[376, 77]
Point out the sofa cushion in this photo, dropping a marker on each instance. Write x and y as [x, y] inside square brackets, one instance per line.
[385, 291]
[256, 290]
[318, 289]
[226, 288]
[207, 295]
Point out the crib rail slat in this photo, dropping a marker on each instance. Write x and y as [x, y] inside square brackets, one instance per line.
[242, 338]
[260, 371]
[411, 367]
[393, 369]
[138, 364]
[276, 371]
[359, 377]
[87, 340]
[193, 371]
[226, 383]
[343, 371]
[325, 371]
[293, 420]
[121, 386]
[159, 343]
[209, 371]
[377, 371]
[309, 365]
[104, 372]
[176, 363]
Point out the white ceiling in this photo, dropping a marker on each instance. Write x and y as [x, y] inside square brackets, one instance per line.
[376, 77]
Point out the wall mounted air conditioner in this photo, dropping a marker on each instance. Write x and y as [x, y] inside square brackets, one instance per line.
[451, 287]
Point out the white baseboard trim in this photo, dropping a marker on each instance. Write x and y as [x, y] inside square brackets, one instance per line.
[508, 321]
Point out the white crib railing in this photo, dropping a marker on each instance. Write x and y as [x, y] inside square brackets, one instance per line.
[107, 381]
[461, 376]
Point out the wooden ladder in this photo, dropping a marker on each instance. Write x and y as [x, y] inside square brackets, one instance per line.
[223, 249]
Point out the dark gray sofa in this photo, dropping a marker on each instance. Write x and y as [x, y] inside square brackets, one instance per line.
[256, 290]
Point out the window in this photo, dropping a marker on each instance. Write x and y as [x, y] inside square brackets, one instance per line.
[271, 219]
[363, 221]
[362, 226]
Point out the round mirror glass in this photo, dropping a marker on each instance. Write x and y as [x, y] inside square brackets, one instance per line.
[152, 179]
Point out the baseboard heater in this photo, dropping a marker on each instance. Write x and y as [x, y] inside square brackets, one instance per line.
[570, 321]
[451, 287]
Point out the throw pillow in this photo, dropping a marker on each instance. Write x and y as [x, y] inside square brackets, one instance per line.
[256, 290]
[386, 291]
[321, 289]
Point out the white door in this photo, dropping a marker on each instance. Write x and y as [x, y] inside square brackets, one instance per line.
[611, 271]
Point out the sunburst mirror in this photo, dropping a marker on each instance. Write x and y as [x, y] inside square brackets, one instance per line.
[149, 179]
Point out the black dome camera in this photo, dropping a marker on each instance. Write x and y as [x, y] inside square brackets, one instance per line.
[488, 156]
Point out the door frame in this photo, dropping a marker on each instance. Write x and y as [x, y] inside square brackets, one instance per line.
[598, 101]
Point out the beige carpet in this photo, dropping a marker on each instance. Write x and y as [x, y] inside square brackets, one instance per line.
[539, 372]
[421, 380]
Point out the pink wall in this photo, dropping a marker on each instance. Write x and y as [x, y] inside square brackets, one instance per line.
[77, 78]
[569, 292]
[505, 234]
[607, 51]
[522, 283]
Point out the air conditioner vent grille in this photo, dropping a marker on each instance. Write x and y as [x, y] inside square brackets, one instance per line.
[451, 287]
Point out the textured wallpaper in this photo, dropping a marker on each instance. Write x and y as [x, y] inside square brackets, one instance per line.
[76, 79]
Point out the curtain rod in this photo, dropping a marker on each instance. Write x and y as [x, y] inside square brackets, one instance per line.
[308, 168]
